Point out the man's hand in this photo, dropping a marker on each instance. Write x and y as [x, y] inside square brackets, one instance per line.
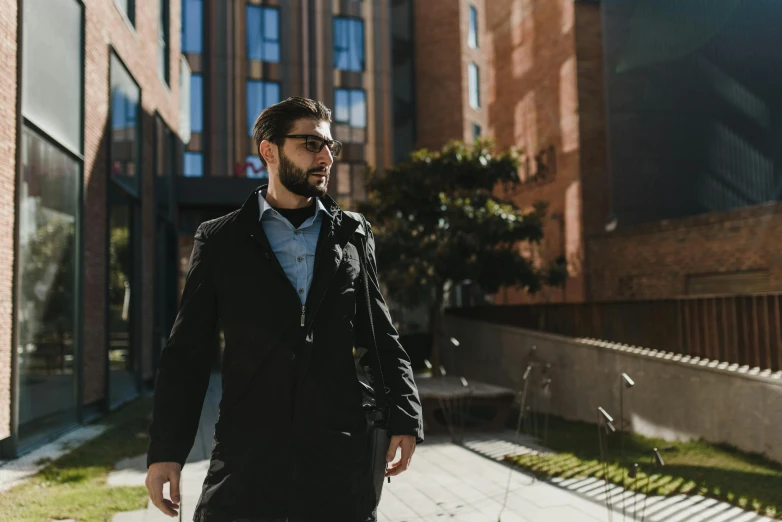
[407, 443]
[158, 474]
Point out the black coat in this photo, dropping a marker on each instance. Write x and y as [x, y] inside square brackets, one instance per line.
[290, 439]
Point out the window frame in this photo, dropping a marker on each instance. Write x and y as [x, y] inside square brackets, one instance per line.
[164, 39]
[336, 49]
[476, 88]
[264, 83]
[262, 29]
[185, 25]
[200, 77]
[350, 91]
[472, 28]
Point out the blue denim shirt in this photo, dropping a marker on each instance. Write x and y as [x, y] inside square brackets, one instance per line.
[294, 248]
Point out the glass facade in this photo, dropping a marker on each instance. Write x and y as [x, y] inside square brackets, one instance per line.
[263, 33]
[194, 164]
[694, 114]
[348, 44]
[260, 94]
[124, 241]
[49, 221]
[473, 85]
[196, 103]
[125, 127]
[192, 26]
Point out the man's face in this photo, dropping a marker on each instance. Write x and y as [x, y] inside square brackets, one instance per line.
[301, 171]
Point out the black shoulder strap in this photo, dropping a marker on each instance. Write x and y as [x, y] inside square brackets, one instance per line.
[379, 384]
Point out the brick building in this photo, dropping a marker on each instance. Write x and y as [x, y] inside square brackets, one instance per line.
[657, 146]
[89, 147]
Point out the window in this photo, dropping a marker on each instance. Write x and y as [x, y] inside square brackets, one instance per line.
[263, 33]
[472, 32]
[348, 44]
[125, 127]
[254, 168]
[350, 115]
[192, 26]
[196, 103]
[476, 130]
[163, 36]
[260, 95]
[474, 86]
[194, 164]
[350, 107]
[129, 8]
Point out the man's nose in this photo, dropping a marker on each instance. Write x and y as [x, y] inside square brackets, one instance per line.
[325, 157]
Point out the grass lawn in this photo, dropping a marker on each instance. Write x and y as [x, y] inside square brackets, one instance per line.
[696, 468]
[74, 486]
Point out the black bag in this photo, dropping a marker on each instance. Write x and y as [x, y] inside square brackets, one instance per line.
[377, 416]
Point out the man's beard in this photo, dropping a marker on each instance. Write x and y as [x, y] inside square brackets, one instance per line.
[297, 181]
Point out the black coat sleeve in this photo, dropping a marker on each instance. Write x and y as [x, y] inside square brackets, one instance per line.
[185, 363]
[406, 413]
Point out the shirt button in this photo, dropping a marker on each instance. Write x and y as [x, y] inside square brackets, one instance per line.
[295, 232]
[298, 259]
[301, 290]
[274, 213]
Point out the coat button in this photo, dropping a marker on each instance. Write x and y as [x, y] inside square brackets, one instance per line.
[267, 255]
[293, 356]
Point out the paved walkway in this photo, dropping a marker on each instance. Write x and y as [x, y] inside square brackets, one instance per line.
[464, 483]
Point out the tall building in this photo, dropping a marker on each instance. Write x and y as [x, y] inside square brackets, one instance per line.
[248, 54]
[89, 141]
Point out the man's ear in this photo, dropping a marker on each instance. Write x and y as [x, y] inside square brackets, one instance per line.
[268, 150]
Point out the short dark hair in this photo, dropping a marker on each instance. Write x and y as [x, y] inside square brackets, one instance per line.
[277, 120]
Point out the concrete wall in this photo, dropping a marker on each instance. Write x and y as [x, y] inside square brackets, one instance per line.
[675, 397]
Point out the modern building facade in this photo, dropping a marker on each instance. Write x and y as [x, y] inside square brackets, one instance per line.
[90, 143]
[248, 54]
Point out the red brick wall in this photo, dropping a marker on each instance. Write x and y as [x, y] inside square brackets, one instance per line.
[8, 101]
[592, 129]
[653, 261]
[137, 47]
[533, 103]
[439, 74]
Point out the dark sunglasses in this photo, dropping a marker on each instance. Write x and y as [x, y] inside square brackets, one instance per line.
[316, 143]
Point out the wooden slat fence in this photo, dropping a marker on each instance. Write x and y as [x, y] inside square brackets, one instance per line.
[741, 329]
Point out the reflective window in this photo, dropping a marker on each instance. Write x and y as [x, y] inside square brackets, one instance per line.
[472, 31]
[263, 33]
[350, 106]
[260, 95]
[473, 80]
[46, 306]
[348, 44]
[163, 32]
[125, 127]
[196, 103]
[192, 26]
[194, 164]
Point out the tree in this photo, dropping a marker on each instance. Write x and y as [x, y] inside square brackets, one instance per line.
[437, 218]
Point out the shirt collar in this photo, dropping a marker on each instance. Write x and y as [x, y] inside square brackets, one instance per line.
[265, 206]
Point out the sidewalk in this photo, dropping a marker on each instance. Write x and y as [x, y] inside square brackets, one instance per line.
[461, 483]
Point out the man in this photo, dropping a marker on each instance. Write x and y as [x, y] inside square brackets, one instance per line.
[282, 277]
